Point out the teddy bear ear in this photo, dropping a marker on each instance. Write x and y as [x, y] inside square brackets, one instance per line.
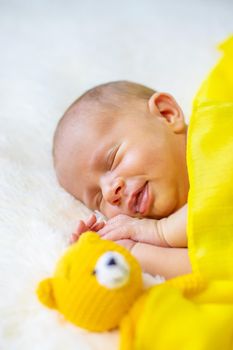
[45, 293]
[90, 237]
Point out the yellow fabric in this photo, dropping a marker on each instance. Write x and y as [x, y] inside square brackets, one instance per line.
[171, 321]
[210, 164]
[195, 312]
[218, 87]
[210, 211]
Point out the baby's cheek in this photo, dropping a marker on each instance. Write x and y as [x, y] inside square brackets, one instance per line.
[131, 164]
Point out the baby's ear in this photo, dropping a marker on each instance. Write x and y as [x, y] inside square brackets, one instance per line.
[165, 104]
[45, 293]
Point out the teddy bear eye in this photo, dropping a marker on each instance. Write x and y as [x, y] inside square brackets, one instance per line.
[94, 272]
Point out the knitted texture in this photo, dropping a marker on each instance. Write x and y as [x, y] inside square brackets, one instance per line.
[75, 291]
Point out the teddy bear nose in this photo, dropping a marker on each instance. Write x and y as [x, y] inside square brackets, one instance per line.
[112, 270]
[111, 262]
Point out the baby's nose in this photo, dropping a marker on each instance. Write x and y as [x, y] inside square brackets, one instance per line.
[113, 193]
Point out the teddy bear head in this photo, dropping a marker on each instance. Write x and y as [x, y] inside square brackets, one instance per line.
[94, 284]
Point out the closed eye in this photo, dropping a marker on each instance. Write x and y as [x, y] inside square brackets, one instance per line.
[110, 163]
[112, 157]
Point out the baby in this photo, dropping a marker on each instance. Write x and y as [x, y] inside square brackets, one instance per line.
[121, 149]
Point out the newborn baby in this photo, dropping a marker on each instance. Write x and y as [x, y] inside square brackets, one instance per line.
[121, 149]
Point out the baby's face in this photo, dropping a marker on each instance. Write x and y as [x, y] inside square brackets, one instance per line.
[126, 164]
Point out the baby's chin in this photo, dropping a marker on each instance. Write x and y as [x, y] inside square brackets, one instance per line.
[164, 211]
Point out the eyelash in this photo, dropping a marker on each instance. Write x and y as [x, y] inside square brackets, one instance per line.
[113, 158]
[100, 196]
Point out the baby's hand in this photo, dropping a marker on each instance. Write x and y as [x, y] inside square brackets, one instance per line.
[90, 224]
[122, 227]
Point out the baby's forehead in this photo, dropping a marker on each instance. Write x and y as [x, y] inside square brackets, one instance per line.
[94, 113]
[100, 123]
[85, 122]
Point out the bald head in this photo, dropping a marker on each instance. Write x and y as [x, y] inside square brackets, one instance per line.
[118, 138]
[108, 99]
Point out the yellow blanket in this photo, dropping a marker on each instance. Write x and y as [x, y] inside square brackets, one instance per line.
[195, 312]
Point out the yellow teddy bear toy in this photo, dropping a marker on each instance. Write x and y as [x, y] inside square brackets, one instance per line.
[98, 285]
[94, 285]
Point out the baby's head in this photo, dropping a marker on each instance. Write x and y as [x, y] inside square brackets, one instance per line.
[120, 148]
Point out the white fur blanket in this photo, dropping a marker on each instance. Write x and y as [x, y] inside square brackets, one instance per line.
[51, 51]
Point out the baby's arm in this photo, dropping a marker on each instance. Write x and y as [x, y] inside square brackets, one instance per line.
[162, 261]
[173, 228]
[166, 232]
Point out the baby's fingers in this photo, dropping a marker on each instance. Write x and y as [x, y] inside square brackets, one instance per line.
[91, 220]
[81, 227]
[98, 226]
[74, 237]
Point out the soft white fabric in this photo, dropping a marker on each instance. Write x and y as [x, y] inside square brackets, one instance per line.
[51, 51]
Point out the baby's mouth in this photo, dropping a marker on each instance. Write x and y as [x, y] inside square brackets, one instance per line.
[139, 200]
